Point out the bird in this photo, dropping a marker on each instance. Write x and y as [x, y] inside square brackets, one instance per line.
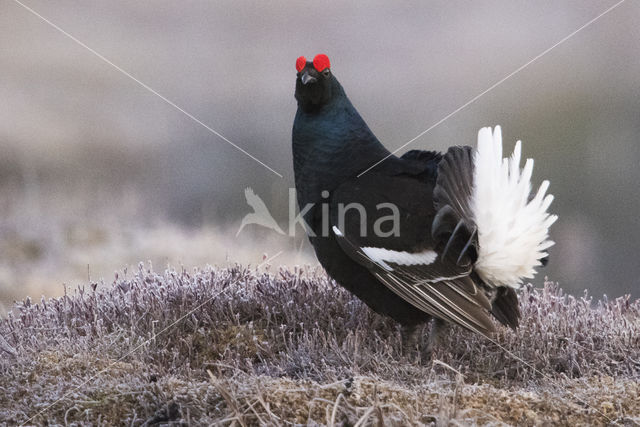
[445, 238]
[260, 215]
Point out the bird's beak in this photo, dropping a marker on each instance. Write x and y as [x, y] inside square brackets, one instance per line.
[307, 78]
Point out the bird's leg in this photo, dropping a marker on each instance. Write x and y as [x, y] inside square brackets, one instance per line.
[438, 328]
[409, 334]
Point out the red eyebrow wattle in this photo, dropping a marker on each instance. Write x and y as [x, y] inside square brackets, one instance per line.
[300, 63]
[321, 61]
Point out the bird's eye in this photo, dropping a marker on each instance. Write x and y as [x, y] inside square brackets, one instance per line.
[326, 72]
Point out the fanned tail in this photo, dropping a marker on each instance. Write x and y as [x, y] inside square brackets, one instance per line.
[513, 228]
[453, 226]
[486, 215]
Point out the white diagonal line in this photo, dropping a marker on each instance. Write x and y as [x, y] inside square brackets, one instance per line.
[150, 89]
[269, 259]
[129, 353]
[493, 86]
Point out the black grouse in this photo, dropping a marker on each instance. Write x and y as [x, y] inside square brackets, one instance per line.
[425, 235]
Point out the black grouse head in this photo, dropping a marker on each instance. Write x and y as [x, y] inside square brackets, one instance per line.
[314, 84]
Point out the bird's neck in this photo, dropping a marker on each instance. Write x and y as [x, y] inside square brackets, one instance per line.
[331, 145]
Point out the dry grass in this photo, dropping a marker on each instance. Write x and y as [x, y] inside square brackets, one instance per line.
[289, 346]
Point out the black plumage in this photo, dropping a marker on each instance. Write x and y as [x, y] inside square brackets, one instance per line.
[332, 145]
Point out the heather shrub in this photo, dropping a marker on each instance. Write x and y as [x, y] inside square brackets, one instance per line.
[290, 346]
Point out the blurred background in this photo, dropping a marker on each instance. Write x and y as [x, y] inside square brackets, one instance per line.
[97, 173]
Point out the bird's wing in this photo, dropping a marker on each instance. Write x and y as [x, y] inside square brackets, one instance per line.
[384, 223]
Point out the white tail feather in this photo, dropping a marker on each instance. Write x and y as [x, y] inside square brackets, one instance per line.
[513, 231]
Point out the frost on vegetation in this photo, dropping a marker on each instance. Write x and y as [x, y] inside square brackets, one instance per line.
[290, 346]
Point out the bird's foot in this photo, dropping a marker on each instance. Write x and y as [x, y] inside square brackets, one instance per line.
[412, 350]
[438, 329]
[409, 335]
